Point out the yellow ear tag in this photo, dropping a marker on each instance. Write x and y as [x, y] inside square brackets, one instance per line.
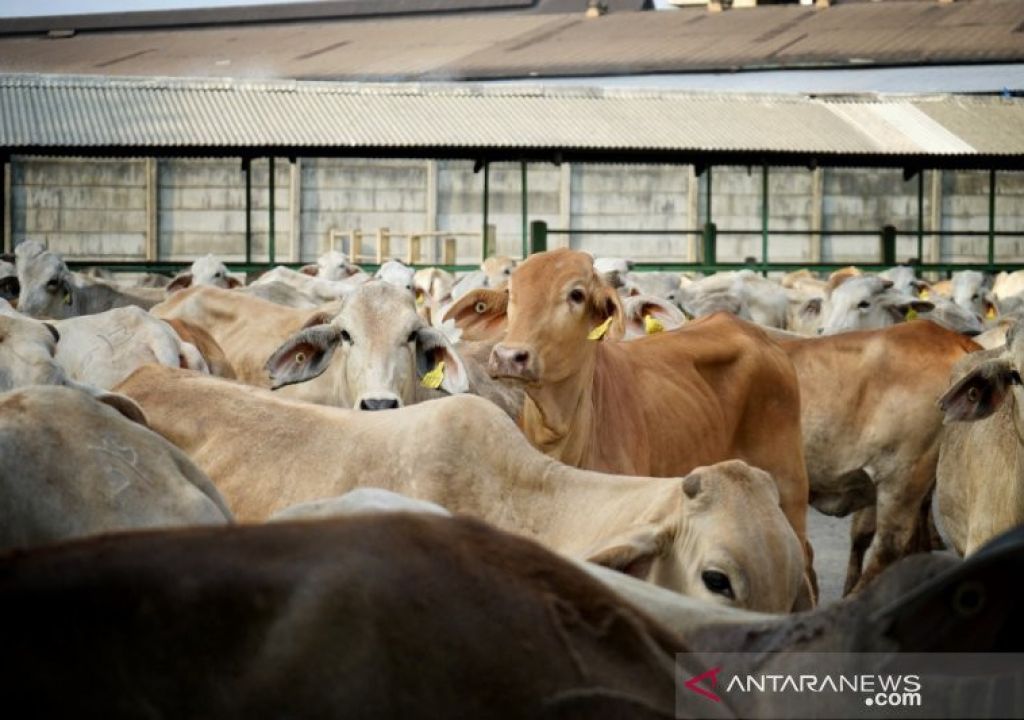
[598, 332]
[924, 294]
[420, 298]
[990, 314]
[433, 378]
[911, 314]
[652, 325]
[67, 298]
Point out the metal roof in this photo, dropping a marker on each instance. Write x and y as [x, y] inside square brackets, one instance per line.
[507, 41]
[92, 116]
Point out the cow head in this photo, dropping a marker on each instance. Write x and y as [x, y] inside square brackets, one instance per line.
[866, 302]
[480, 314]
[48, 289]
[971, 291]
[984, 389]
[207, 270]
[386, 351]
[556, 301]
[27, 349]
[724, 539]
[498, 270]
[332, 265]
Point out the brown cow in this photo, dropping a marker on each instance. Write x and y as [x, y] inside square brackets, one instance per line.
[871, 429]
[212, 353]
[480, 314]
[659, 405]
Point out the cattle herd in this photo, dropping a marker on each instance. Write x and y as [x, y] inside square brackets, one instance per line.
[519, 492]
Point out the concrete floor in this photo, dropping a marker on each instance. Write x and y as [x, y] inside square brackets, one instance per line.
[830, 538]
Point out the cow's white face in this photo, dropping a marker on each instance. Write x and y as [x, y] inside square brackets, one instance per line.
[383, 351]
[27, 348]
[47, 286]
[209, 270]
[333, 265]
[969, 290]
[398, 274]
[867, 302]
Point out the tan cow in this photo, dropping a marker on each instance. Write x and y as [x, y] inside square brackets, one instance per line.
[980, 485]
[717, 534]
[660, 405]
[871, 428]
[74, 465]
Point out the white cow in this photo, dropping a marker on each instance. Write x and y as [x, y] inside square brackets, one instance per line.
[50, 290]
[207, 270]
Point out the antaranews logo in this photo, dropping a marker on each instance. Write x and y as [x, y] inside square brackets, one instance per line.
[849, 685]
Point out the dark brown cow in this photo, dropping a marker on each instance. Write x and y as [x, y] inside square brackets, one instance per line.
[371, 617]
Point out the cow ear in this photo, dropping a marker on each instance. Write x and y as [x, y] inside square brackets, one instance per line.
[122, 403]
[233, 282]
[606, 305]
[811, 308]
[979, 393]
[303, 356]
[180, 282]
[313, 270]
[909, 309]
[433, 348]
[632, 553]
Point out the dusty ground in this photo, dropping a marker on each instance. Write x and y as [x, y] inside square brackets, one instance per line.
[830, 538]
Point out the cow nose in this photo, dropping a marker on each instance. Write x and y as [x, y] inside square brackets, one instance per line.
[378, 404]
[510, 362]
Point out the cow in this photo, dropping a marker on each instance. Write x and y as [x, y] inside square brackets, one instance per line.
[661, 405]
[498, 269]
[74, 464]
[207, 270]
[104, 348]
[316, 619]
[744, 294]
[334, 265]
[211, 353]
[871, 429]
[480, 314]
[49, 290]
[385, 353]
[9, 285]
[360, 500]
[27, 348]
[648, 314]
[433, 292]
[292, 288]
[718, 533]
[397, 273]
[979, 488]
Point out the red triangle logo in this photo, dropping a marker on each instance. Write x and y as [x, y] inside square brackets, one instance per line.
[694, 683]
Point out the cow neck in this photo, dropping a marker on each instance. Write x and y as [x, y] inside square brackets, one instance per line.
[558, 417]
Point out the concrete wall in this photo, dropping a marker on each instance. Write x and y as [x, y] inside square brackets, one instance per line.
[99, 208]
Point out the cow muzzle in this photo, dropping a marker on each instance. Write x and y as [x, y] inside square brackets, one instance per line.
[379, 401]
[512, 361]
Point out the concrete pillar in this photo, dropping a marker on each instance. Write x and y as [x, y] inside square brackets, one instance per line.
[8, 226]
[152, 210]
[430, 214]
[935, 215]
[295, 209]
[817, 213]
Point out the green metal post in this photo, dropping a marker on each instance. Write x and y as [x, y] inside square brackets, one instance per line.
[247, 169]
[707, 199]
[271, 240]
[487, 193]
[538, 236]
[889, 245]
[526, 222]
[764, 220]
[709, 238]
[920, 216]
[991, 219]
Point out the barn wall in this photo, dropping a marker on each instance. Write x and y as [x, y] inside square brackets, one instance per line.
[98, 208]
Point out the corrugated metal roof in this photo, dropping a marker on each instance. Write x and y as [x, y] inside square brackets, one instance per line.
[74, 114]
[509, 43]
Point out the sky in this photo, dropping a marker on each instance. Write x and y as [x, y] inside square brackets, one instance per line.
[29, 8]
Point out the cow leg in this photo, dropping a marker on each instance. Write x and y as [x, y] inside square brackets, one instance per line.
[862, 532]
[897, 511]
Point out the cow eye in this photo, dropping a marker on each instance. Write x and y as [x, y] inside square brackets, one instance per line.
[718, 583]
[412, 337]
[863, 304]
[53, 284]
[345, 337]
[577, 296]
[974, 296]
[480, 307]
